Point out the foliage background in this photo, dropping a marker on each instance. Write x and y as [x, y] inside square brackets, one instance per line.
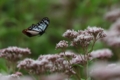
[16, 15]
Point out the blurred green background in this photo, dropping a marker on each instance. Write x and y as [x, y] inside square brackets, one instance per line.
[16, 15]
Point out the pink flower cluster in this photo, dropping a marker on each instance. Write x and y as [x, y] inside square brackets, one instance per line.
[62, 44]
[52, 63]
[14, 77]
[96, 32]
[82, 38]
[9, 77]
[105, 71]
[14, 53]
[113, 34]
[70, 34]
[101, 54]
[112, 15]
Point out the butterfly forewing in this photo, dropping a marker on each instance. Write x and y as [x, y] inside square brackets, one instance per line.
[43, 24]
[38, 28]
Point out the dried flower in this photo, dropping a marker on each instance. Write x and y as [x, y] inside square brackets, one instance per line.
[100, 54]
[70, 34]
[62, 44]
[14, 53]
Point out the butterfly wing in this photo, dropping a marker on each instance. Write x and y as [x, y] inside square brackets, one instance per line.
[43, 25]
[31, 31]
[38, 28]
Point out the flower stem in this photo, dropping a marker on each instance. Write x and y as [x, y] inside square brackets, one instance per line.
[92, 45]
[86, 59]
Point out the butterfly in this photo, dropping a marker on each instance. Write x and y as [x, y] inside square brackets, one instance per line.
[37, 29]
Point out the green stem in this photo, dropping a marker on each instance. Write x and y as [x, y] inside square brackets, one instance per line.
[33, 76]
[92, 45]
[11, 66]
[86, 59]
[77, 73]
[78, 52]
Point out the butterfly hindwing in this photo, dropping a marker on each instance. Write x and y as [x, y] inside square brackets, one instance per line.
[37, 29]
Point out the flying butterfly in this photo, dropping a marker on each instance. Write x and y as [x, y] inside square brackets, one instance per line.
[37, 29]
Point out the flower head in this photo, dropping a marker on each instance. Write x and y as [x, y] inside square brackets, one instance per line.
[79, 59]
[62, 44]
[112, 15]
[14, 53]
[25, 64]
[100, 54]
[51, 63]
[70, 34]
[115, 26]
[67, 54]
[112, 39]
[83, 39]
[96, 32]
[104, 71]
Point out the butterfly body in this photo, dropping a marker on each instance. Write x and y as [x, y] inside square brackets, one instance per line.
[37, 29]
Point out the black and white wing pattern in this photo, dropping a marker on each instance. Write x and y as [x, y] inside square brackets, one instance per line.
[37, 29]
